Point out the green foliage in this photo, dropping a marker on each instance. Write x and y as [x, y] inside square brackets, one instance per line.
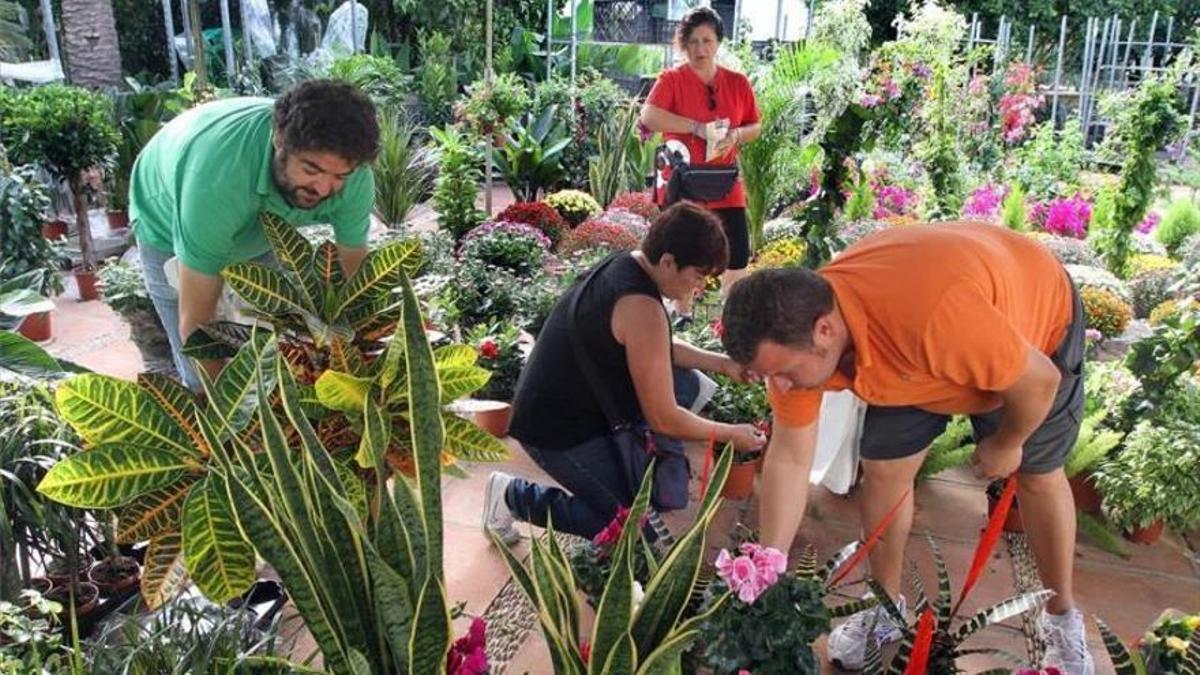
[500, 354]
[1093, 444]
[123, 287]
[1144, 125]
[14, 43]
[437, 79]
[516, 247]
[1012, 210]
[489, 111]
[65, 129]
[582, 110]
[531, 159]
[1049, 164]
[1069, 250]
[939, 151]
[403, 169]
[23, 204]
[1154, 477]
[736, 403]
[21, 296]
[861, 203]
[30, 636]
[1159, 360]
[1150, 289]
[139, 113]
[1181, 221]
[457, 182]
[615, 169]
[377, 76]
[951, 449]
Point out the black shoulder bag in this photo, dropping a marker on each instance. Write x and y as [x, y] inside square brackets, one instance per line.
[697, 183]
[633, 444]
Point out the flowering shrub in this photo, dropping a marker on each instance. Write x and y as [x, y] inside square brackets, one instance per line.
[1068, 250]
[627, 219]
[1150, 289]
[781, 253]
[1165, 310]
[517, 247]
[538, 214]
[770, 623]
[468, 654]
[849, 233]
[599, 233]
[782, 228]
[500, 354]
[1020, 102]
[1105, 311]
[574, 206]
[1149, 262]
[1189, 251]
[1148, 223]
[893, 200]
[591, 561]
[1165, 645]
[984, 202]
[1066, 216]
[1098, 277]
[637, 202]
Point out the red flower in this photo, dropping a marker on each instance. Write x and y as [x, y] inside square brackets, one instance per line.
[718, 328]
[468, 655]
[488, 349]
[612, 532]
[585, 650]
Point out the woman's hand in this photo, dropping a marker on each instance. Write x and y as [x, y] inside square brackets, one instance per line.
[727, 144]
[746, 437]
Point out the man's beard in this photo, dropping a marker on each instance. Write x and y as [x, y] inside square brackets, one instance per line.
[295, 196]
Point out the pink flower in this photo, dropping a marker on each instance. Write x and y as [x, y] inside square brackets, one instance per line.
[468, 654]
[1092, 335]
[644, 132]
[718, 328]
[984, 202]
[488, 349]
[1068, 217]
[741, 575]
[891, 89]
[1150, 222]
[585, 651]
[870, 100]
[892, 200]
[612, 532]
[978, 85]
[770, 563]
[745, 671]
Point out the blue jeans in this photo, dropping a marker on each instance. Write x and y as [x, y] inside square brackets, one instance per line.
[595, 484]
[166, 303]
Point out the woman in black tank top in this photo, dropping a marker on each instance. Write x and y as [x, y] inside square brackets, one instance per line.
[606, 375]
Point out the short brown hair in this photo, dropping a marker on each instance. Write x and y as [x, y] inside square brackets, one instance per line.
[328, 116]
[691, 233]
[780, 305]
[693, 19]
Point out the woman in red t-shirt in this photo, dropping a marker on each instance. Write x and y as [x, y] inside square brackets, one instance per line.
[685, 99]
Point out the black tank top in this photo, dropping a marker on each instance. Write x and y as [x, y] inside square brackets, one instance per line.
[554, 408]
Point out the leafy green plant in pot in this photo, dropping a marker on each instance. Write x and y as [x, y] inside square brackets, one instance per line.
[123, 288]
[404, 169]
[500, 354]
[23, 306]
[23, 202]
[67, 130]
[457, 182]
[530, 159]
[30, 636]
[1153, 480]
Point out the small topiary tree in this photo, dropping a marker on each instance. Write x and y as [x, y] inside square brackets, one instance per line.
[67, 130]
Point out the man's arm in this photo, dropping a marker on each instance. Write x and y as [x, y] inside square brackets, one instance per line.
[351, 257]
[1026, 404]
[785, 474]
[198, 296]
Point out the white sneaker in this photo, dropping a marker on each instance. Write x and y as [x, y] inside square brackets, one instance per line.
[1066, 643]
[848, 642]
[497, 518]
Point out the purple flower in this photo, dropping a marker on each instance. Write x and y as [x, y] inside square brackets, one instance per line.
[644, 132]
[893, 200]
[1150, 222]
[870, 100]
[984, 202]
[494, 227]
[1092, 335]
[920, 70]
[1068, 217]
[891, 89]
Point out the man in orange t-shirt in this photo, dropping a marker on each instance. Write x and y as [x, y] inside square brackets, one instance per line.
[921, 323]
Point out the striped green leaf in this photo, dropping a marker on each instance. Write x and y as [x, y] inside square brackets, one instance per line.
[234, 397]
[218, 558]
[152, 513]
[468, 442]
[345, 357]
[460, 381]
[294, 254]
[377, 276]
[178, 402]
[105, 409]
[342, 392]
[1124, 661]
[377, 426]
[430, 639]
[327, 264]
[1003, 611]
[111, 475]
[163, 572]
[265, 289]
[396, 609]
[665, 659]
[454, 355]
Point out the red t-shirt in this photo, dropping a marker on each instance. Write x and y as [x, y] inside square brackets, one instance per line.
[680, 91]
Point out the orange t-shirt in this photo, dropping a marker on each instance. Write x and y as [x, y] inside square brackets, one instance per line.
[941, 317]
[680, 91]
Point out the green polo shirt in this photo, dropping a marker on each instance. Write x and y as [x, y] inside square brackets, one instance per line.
[201, 181]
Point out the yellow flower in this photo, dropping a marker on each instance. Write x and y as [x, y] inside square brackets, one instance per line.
[1177, 644]
[1192, 622]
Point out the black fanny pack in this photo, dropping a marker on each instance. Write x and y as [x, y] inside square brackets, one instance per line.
[697, 183]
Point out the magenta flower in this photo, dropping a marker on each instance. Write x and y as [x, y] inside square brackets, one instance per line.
[893, 200]
[741, 575]
[1150, 222]
[1068, 217]
[870, 100]
[612, 532]
[468, 654]
[770, 562]
[984, 202]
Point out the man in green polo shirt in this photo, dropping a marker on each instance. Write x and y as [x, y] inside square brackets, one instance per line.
[199, 185]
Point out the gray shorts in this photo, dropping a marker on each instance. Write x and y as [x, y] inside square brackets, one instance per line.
[897, 432]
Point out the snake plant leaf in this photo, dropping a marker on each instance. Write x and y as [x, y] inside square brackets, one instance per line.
[163, 573]
[104, 409]
[294, 254]
[152, 513]
[112, 474]
[218, 557]
[266, 290]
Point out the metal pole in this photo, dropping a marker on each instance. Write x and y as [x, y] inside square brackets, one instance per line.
[1128, 48]
[809, 13]
[574, 39]
[549, 37]
[353, 28]
[487, 83]
[1113, 53]
[50, 30]
[227, 33]
[1085, 75]
[1170, 34]
[198, 62]
[1148, 54]
[1029, 46]
[1187, 136]
[974, 26]
[186, 14]
[247, 41]
[1062, 38]
[169, 24]
[1104, 44]
[778, 18]
[737, 20]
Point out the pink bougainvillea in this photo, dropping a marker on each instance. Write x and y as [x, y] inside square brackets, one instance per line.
[1019, 102]
[1067, 217]
[468, 654]
[984, 202]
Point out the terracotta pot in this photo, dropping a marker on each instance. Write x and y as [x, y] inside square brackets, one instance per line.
[40, 584]
[117, 220]
[115, 575]
[493, 417]
[1087, 497]
[54, 229]
[87, 285]
[36, 327]
[1146, 535]
[87, 598]
[740, 484]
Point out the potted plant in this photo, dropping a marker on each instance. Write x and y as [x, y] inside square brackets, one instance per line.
[123, 287]
[1153, 482]
[1092, 446]
[530, 158]
[114, 573]
[23, 305]
[772, 620]
[519, 248]
[1169, 647]
[138, 114]
[23, 200]
[591, 561]
[69, 131]
[30, 637]
[489, 111]
[741, 475]
[500, 354]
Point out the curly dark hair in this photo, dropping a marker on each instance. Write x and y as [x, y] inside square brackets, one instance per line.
[780, 305]
[693, 19]
[328, 116]
[691, 233]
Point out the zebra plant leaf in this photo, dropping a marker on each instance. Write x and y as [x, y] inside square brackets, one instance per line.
[152, 513]
[265, 289]
[218, 558]
[163, 573]
[294, 254]
[112, 475]
[1124, 661]
[1003, 611]
[468, 442]
[377, 276]
[105, 409]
